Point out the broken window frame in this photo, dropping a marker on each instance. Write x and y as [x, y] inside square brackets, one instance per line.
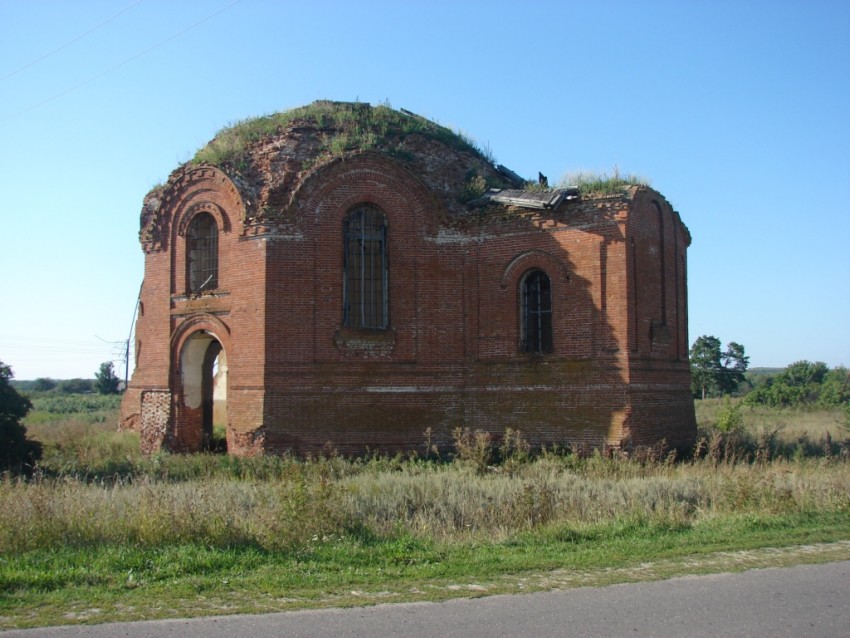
[365, 273]
[202, 254]
[536, 313]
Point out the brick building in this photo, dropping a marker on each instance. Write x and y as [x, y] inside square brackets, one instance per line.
[355, 275]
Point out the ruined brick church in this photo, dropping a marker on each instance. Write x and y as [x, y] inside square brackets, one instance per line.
[355, 275]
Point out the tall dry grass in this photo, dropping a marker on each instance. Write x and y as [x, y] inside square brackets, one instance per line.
[216, 513]
[790, 424]
[435, 501]
[95, 489]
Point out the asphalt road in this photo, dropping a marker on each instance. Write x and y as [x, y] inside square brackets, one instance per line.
[807, 600]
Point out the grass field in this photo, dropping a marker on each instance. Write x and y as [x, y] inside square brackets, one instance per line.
[101, 533]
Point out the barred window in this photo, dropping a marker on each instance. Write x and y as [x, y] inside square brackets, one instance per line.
[365, 266]
[202, 250]
[536, 300]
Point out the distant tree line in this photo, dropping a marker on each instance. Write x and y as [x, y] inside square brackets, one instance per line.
[716, 372]
[803, 384]
[105, 381]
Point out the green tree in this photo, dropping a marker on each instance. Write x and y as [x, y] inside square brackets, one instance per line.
[835, 389]
[804, 383]
[715, 372]
[106, 381]
[705, 366]
[804, 373]
[735, 363]
[75, 386]
[16, 451]
[43, 384]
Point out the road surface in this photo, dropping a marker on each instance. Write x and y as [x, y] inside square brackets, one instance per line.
[806, 600]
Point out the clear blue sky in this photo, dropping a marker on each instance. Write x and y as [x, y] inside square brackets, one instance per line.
[738, 112]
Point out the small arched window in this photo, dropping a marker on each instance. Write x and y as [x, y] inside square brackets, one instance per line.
[202, 253]
[536, 311]
[365, 269]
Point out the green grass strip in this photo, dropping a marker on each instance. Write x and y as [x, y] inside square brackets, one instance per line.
[120, 583]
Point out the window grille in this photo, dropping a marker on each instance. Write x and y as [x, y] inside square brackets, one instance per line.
[536, 313]
[365, 265]
[202, 247]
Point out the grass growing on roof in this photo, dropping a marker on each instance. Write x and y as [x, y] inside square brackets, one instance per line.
[591, 183]
[345, 126]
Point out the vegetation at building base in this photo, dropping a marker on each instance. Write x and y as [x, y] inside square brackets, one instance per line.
[177, 535]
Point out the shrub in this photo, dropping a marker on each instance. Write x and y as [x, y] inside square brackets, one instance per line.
[803, 384]
[473, 447]
[730, 419]
[76, 386]
[514, 450]
[475, 187]
[16, 451]
[44, 384]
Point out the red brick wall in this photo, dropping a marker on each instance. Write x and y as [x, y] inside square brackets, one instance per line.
[298, 380]
[659, 373]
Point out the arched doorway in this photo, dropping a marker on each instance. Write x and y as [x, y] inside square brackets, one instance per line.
[203, 367]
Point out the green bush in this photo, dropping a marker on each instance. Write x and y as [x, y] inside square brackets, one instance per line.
[803, 384]
[730, 418]
[75, 386]
[44, 384]
[16, 451]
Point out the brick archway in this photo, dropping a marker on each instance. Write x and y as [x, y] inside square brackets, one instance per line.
[201, 393]
[198, 383]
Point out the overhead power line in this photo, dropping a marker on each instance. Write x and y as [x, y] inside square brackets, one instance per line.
[69, 42]
[120, 64]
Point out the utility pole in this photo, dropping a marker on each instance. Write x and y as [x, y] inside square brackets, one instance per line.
[130, 337]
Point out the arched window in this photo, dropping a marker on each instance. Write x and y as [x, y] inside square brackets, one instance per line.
[365, 266]
[536, 300]
[202, 251]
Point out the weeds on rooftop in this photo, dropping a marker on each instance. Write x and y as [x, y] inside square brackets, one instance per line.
[591, 183]
[343, 127]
